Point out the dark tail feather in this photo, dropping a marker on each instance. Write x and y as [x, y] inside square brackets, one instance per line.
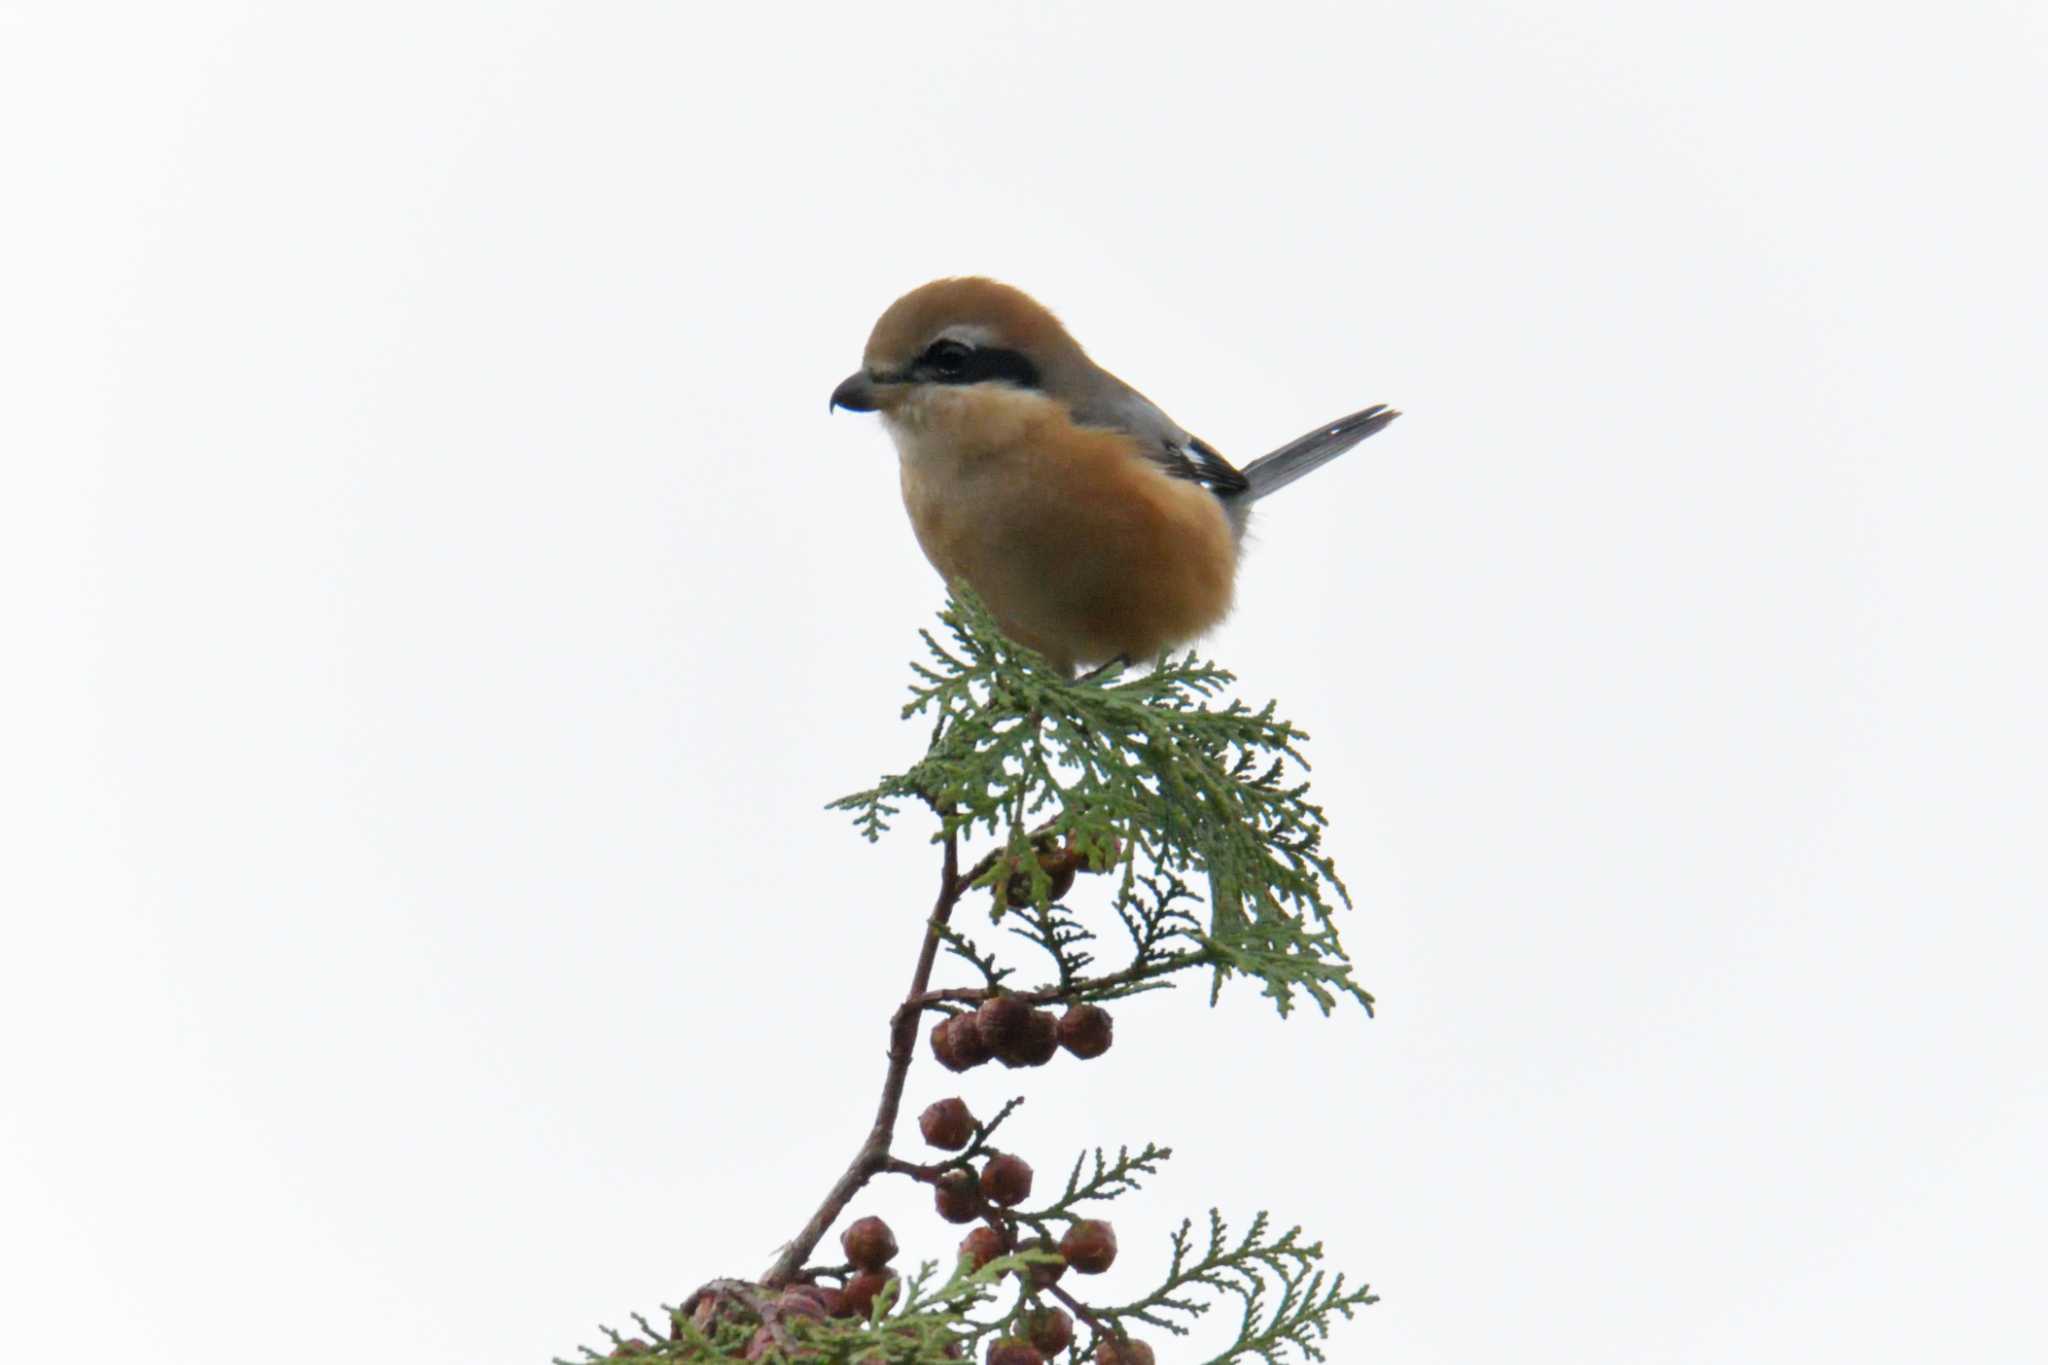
[1305, 454]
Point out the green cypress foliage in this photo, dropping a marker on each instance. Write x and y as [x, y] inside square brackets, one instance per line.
[1144, 768]
[1196, 810]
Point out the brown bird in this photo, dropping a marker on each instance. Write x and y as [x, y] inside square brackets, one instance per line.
[1094, 526]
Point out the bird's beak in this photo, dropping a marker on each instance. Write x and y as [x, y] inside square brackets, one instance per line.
[856, 393]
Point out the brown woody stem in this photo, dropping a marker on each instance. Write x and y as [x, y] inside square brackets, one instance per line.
[975, 995]
[873, 1155]
[1082, 1311]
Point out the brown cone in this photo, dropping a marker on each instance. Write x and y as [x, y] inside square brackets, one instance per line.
[868, 1243]
[1089, 1246]
[958, 1043]
[1122, 1351]
[1051, 1330]
[947, 1124]
[1014, 1351]
[1002, 1019]
[1035, 1044]
[1085, 1031]
[1006, 1180]
[983, 1245]
[861, 1290]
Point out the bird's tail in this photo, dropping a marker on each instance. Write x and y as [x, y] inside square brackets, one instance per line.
[1305, 454]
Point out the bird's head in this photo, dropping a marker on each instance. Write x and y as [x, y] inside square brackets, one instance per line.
[960, 331]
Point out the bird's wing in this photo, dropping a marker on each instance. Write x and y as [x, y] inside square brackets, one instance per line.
[1160, 439]
[1196, 459]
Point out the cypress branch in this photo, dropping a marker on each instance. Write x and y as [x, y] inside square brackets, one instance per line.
[1194, 811]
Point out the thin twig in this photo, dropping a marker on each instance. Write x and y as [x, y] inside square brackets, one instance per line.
[975, 995]
[874, 1151]
[1082, 1311]
[924, 1174]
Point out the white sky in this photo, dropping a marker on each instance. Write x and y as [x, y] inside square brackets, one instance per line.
[442, 604]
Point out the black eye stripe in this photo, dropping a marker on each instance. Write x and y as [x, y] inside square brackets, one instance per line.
[943, 364]
[947, 358]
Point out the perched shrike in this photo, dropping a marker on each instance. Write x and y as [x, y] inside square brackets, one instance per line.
[1093, 525]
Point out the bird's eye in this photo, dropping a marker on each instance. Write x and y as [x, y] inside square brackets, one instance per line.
[947, 359]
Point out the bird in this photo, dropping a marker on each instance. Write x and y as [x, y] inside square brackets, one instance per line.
[1095, 529]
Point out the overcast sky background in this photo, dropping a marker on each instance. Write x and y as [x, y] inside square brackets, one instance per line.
[440, 605]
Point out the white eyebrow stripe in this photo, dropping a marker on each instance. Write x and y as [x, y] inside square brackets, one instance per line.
[968, 333]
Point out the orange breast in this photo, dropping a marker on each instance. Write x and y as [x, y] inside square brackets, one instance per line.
[1082, 548]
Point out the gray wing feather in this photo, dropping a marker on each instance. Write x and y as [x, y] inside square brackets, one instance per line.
[1120, 407]
[1110, 402]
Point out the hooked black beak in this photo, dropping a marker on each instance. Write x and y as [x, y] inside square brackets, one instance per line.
[856, 393]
